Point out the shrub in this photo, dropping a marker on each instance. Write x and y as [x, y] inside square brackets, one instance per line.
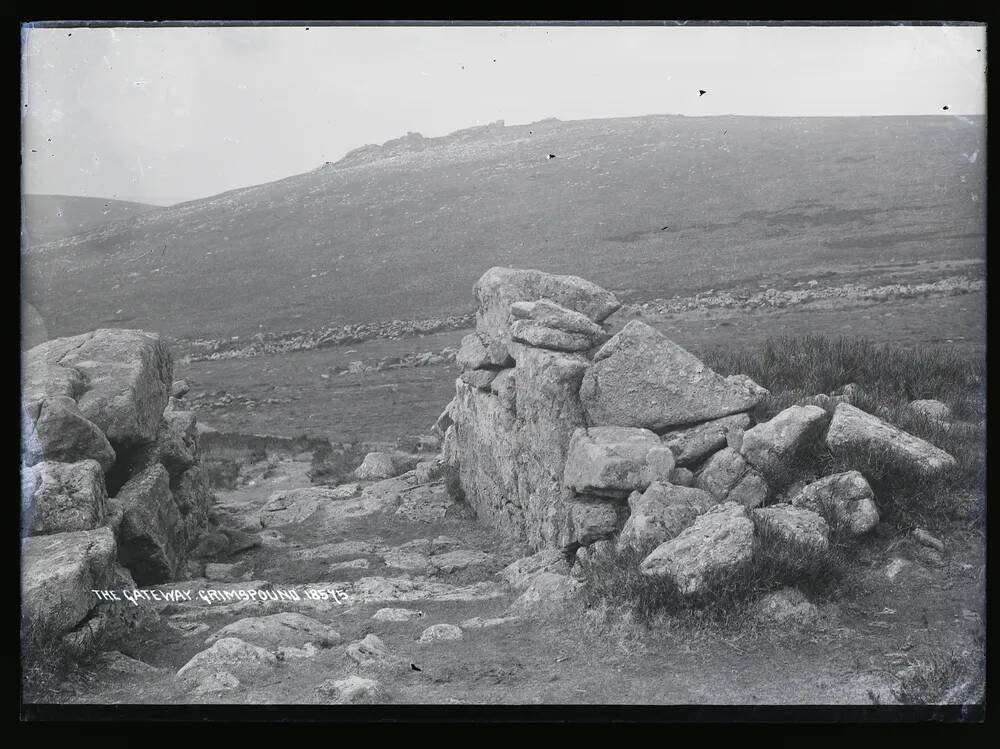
[49, 662]
[804, 366]
[794, 369]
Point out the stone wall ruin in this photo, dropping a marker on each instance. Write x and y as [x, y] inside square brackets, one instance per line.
[569, 428]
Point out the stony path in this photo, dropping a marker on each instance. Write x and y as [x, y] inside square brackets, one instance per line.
[360, 580]
[415, 612]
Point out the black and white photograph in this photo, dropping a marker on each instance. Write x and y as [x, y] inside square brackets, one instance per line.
[503, 364]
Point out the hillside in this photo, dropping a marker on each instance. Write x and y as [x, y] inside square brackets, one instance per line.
[46, 218]
[648, 206]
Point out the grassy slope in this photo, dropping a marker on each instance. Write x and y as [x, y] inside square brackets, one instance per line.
[404, 231]
[46, 218]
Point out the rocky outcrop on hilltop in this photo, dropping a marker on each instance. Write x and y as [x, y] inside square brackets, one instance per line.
[564, 433]
[112, 490]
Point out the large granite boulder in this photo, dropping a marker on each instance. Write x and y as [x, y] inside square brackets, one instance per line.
[859, 434]
[58, 574]
[151, 536]
[61, 433]
[286, 629]
[536, 334]
[774, 446]
[232, 655]
[128, 374]
[692, 444]
[797, 527]
[499, 288]
[661, 513]
[641, 378]
[375, 467]
[63, 497]
[589, 519]
[729, 478]
[546, 313]
[615, 461]
[719, 542]
[845, 499]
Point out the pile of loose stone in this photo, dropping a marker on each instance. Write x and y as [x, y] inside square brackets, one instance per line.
[566, 433]
[113, 495]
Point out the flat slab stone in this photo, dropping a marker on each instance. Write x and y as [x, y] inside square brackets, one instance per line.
[244, 661]
[518, 574]
[641, 378]
[693, 444]
[499, 288]
[535, 334]
[285, 630]
[856, 432]
[615, 460]
[375, 589]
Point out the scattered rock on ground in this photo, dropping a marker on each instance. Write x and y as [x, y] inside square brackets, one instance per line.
[795, 526]
[243, 660]
[370, 651]
[375, 467]
[441, 632]
[844, 499]
[719, 541]
[785, 606]
[220, 681]
[354, 690]
[284, 630]
[518, 574]
[859, 434]
[932, 409]
[546, 594]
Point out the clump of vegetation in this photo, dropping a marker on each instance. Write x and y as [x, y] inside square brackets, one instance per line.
[950, 678]
[50, 663]
[613, 579]
[794, 370]
[888, 379]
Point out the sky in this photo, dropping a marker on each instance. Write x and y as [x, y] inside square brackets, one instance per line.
[162, 115]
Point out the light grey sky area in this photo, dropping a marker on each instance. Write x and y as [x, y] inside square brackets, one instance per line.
[162, 115]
